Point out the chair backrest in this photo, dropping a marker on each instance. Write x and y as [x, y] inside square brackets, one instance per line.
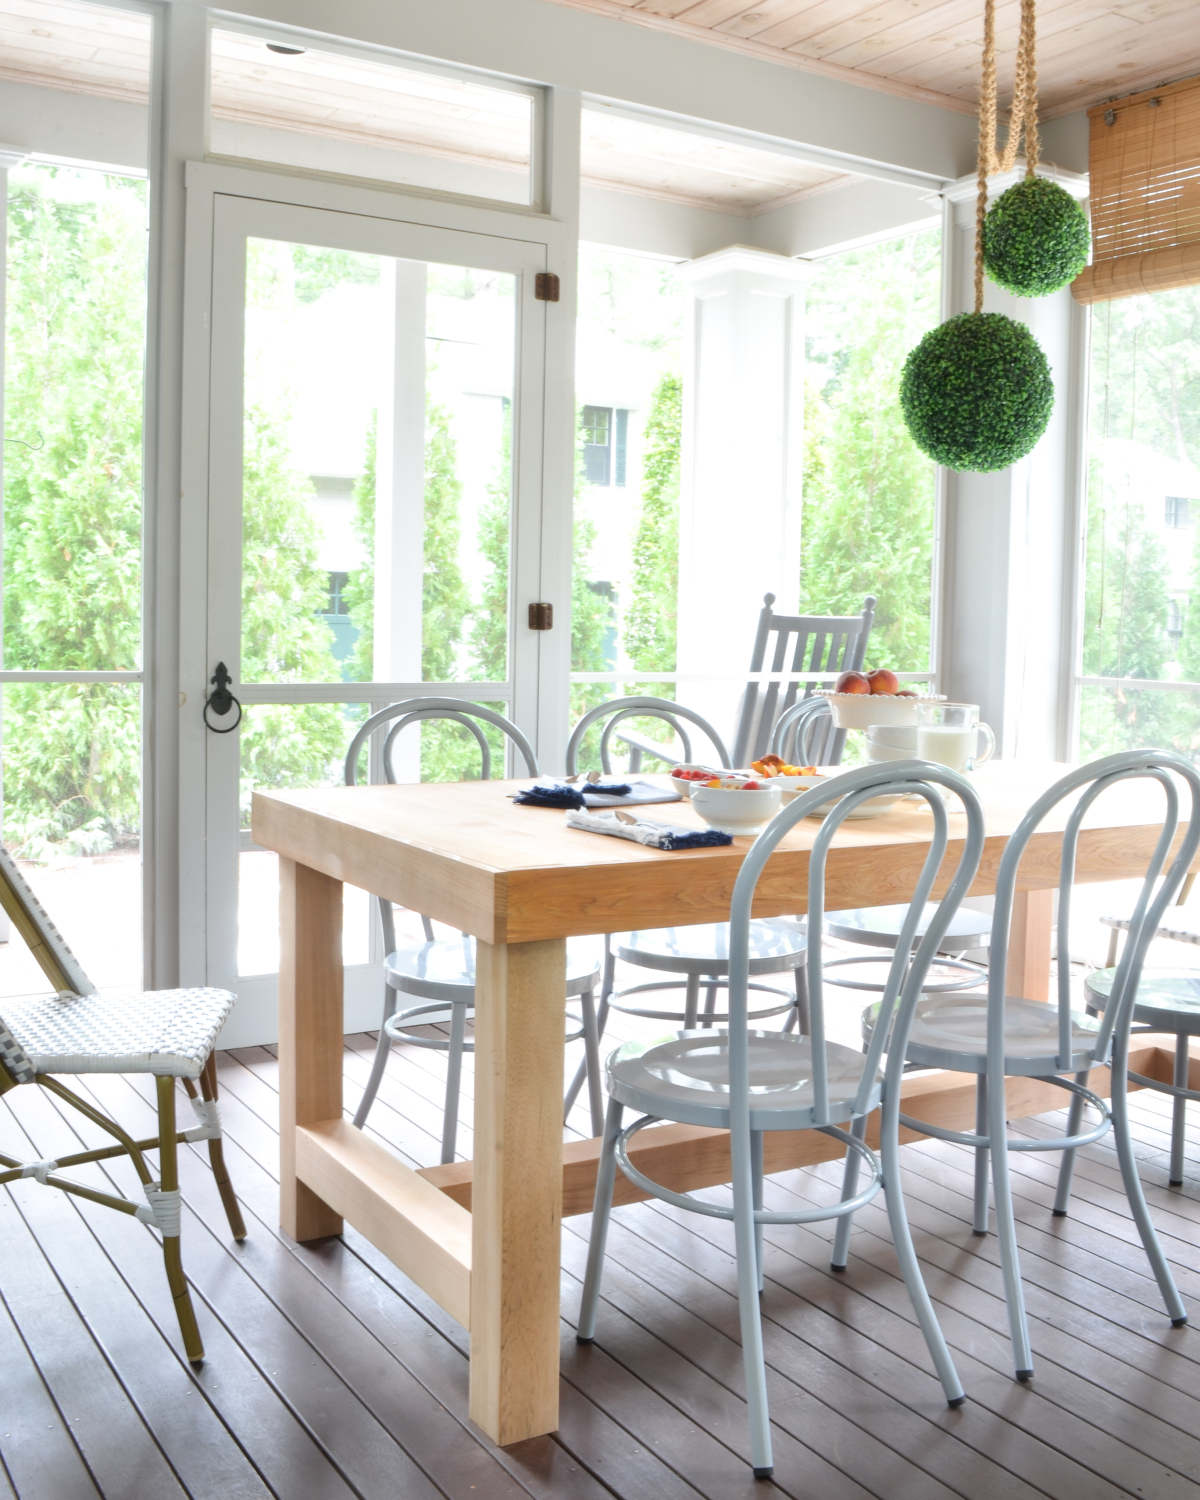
[398, 716]
[1157, 893]
[807, 648]
[805, 734]
[46, 943]
[904, 981]
[618, 709]
[388, 724]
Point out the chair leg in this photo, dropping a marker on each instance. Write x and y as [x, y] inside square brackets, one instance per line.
[168, 1173]
[981, 1156]
[383, 1048]
[756, 1166]
[216, 1157]
[710, 1003]
[749, 1312]
[606, 1176]
[1114, 934]
[1066, 1170]
[454, 1057]
[799, 1015]
[581, 1071]
[910, 1267]
[691, 1004]
[591, 1059]
[841, 1235]
[1179, 1113]
[1119, 1105]
[1006, 1230]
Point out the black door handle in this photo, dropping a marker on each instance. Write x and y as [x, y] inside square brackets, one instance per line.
[221, 700]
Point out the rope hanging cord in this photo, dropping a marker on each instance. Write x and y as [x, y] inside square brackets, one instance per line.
[1023, 115]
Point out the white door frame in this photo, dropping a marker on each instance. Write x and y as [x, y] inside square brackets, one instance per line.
[385, 222]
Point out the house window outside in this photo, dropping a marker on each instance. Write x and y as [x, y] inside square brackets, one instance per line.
[1142, 566]
[597, 444]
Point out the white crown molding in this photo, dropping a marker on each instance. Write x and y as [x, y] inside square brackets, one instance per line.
[744, 258]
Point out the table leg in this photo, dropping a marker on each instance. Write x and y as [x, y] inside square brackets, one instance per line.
[310, 1033]
[516, 1203]
[1029, 944]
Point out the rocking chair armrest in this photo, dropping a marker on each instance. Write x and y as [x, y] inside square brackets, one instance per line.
[647, 746]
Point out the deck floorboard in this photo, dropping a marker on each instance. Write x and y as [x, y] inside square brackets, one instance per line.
[329, 1375]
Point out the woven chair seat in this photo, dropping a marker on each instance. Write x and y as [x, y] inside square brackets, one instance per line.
[165, 1032]
[1180, 929]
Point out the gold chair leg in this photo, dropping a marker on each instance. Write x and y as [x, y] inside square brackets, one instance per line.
[216, 1156]
[169, 1182]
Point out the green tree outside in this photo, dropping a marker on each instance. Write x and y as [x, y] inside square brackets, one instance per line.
[868, 490]
[72, 556]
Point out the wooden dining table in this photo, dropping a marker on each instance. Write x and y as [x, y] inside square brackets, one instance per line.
[483, 1237]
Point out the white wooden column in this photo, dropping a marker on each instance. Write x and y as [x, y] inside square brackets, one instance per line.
[400, 497]
[1012, 538]
[10, 156]
[740, 497]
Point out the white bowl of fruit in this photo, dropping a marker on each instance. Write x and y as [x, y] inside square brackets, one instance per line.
[737, 805]
[860, 699]
[686, 778]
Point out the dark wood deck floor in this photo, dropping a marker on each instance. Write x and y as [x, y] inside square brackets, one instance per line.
[329, 1375]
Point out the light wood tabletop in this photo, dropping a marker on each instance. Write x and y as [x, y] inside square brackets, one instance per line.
[483, 1237]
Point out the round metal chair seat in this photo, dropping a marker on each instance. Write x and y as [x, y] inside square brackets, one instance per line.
[879, 927]
[445, 969]
[1167, 1000]
[686, 1078]
[701, 953]
[945, 974]
[776, 945]
[950, 1031]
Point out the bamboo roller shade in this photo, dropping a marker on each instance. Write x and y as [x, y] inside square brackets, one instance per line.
[1144, 159]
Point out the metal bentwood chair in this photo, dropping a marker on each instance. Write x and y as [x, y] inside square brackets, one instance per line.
[749, 1082]
[697, 954]
[80, 1030]
[996, 1035]
[441, 973]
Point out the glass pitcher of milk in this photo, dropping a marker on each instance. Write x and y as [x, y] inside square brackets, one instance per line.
[948, 733]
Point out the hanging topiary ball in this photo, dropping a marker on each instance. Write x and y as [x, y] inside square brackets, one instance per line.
[976, 392]
[1035, 238]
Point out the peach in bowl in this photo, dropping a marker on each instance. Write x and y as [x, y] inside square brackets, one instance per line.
[738, 807]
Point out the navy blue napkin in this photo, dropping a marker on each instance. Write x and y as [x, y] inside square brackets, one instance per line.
[569, 796]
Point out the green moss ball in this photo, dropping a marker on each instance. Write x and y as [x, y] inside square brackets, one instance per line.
[1035, 238]
[976, 392]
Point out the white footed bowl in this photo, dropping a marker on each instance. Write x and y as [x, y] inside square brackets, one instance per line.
[731, 811]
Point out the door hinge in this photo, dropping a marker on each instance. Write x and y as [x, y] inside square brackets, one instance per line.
[541, 617]
[545, 286]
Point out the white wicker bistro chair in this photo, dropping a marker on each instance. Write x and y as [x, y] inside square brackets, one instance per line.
[440, 973]
[996, 1036]
[78, 1030]
[749, 1082]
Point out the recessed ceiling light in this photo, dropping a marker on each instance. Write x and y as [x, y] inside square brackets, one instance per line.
[286, 51]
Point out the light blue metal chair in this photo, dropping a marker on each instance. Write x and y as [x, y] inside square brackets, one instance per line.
[699, 955]
[441, 973]
[750, 1081]
[997, 1035]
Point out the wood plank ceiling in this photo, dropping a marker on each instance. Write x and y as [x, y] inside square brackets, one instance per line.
[1088, 50]
[80, 48]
